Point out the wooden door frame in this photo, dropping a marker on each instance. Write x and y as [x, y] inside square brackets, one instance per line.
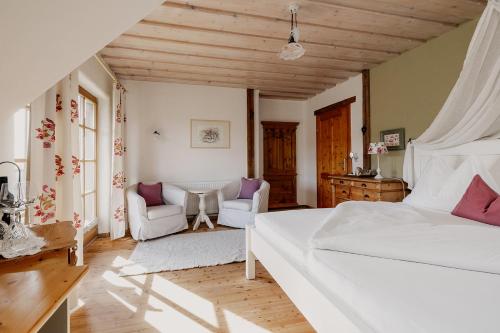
[329, 108]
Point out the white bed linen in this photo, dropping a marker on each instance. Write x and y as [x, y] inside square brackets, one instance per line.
[393, 296]
[386, 295]
[291, 230]
[399, 231]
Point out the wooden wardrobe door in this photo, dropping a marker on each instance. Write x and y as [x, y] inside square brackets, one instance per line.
[333, 143]
[280, 162]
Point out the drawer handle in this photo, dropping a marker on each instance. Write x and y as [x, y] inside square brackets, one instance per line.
[367, 196]
[341, 182]
[344, 192]
[363, 185]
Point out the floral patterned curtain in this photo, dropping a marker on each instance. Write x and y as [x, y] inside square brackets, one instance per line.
[118, 202]
[54, 157]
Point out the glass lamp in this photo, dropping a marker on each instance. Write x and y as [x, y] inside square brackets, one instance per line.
[378, 148]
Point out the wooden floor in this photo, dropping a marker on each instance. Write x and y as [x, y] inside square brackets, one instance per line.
[211, 299]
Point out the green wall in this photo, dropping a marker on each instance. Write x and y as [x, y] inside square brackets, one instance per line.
[408, 91]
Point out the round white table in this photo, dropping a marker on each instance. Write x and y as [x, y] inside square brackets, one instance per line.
[202, 216]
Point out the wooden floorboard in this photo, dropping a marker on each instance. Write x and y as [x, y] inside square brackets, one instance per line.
[210, 299]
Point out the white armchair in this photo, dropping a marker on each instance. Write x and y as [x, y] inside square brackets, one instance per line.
[152, 222]
[236, 212]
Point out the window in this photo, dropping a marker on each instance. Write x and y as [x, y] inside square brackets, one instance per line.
[87, 105]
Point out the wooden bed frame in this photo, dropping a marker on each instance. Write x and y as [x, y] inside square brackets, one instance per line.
[311, 300]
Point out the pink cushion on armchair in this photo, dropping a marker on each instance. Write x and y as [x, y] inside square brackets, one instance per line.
[151, 194]
[248, 188]
[479, 203]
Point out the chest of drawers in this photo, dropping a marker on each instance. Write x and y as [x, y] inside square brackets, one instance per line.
[346, 188]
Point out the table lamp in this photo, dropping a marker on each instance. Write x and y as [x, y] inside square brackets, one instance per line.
[377, 148]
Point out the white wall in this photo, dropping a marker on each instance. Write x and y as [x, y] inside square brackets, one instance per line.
[42, 41]
[168, 108]
[96, 81]
[284, 110]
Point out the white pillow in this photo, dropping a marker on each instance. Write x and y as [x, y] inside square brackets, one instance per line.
[434, 175]
[442, 187]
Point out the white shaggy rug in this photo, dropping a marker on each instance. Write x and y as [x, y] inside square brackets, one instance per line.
[186, 251]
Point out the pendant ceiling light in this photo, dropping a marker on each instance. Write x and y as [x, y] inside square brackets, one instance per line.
[293, 50]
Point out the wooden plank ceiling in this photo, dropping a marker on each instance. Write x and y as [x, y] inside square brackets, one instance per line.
[235, 43]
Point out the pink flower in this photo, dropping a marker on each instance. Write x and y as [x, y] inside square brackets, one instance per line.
[76, 165]
[59, 166]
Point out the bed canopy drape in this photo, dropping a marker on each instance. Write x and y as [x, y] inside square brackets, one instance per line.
[472, 110]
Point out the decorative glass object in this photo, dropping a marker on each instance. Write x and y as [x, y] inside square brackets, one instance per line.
[15, 238]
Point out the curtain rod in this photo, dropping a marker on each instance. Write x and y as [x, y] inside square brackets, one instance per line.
[106, 68]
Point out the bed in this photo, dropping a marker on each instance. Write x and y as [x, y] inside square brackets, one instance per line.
[338, 291]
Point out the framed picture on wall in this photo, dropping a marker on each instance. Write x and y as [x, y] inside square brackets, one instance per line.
[210, 133]
[394, 139]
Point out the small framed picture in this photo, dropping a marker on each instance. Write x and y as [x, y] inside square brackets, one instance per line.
[210, 133]
[394, 139]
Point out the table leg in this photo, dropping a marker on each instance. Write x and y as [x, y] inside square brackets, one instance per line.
[208, 222]
[197, 222]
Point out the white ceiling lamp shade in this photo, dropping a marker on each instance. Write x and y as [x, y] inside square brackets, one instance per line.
[293, 50]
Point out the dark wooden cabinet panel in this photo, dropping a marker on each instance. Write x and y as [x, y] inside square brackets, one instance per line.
[280, 168]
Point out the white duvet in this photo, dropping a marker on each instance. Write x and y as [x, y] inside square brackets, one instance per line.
[402, 232]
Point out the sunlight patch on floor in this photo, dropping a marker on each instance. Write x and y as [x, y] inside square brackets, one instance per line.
[237, 324]
[191, 302]
[118, 281]
[123, 302]
[165, 319]
[119, 261]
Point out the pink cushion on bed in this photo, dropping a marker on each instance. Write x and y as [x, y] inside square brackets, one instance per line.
[479, 203]
[248, 188]
[151, 194]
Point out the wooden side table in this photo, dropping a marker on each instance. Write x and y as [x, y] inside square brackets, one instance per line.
[202, 216]
[34, 289]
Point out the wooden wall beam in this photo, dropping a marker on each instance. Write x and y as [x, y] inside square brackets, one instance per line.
[367, 160]
[250, 134]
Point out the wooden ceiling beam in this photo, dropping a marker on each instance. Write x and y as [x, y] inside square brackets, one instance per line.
[447, 12]
[174, 58]
[443, 11]
[291, 98]
[258, 43]
[212, 83]
[282, 94]
[139, 64]
[258, 26]
[306, 87]
[161, 45]
[326, 14]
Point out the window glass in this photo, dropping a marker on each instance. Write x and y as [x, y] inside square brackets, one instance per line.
[89, 177]
[87, 105]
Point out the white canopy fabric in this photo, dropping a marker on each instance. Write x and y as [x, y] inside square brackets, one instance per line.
[472, 110]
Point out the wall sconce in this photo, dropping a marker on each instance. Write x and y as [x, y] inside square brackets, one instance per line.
[156, 132]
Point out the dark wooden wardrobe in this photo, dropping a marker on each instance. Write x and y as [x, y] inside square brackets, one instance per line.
[280, 167]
